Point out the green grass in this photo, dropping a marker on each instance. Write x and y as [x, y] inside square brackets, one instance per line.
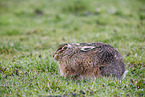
[31, 30]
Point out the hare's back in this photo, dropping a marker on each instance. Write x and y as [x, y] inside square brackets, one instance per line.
[103, 53]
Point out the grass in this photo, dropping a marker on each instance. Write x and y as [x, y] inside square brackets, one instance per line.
[30, 31]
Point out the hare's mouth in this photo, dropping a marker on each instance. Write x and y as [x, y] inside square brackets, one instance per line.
[55, 56]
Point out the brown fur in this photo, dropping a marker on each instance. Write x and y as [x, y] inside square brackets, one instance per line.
[89, 60]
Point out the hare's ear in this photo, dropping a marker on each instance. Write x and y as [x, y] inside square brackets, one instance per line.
[87, 48]
[68, 45]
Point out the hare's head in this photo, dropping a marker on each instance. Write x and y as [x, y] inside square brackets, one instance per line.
[70, 49]
[62, 50]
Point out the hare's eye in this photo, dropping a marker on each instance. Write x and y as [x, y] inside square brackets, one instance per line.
[65, 48]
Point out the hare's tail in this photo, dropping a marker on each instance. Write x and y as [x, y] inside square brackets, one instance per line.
[124, 74]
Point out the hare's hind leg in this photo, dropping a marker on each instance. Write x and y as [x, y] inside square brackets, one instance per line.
[113, 70]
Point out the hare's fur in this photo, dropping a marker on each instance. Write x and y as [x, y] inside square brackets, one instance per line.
[89, 60]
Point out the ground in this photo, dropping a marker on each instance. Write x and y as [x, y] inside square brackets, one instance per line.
[31, 30]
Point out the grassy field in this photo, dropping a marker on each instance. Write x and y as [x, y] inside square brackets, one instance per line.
[31, 30]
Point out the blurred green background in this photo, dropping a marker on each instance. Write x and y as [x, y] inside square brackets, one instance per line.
[31, 30]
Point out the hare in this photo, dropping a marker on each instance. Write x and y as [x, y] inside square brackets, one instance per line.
[89, 60]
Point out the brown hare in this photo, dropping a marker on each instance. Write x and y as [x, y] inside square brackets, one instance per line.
[89, 60]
